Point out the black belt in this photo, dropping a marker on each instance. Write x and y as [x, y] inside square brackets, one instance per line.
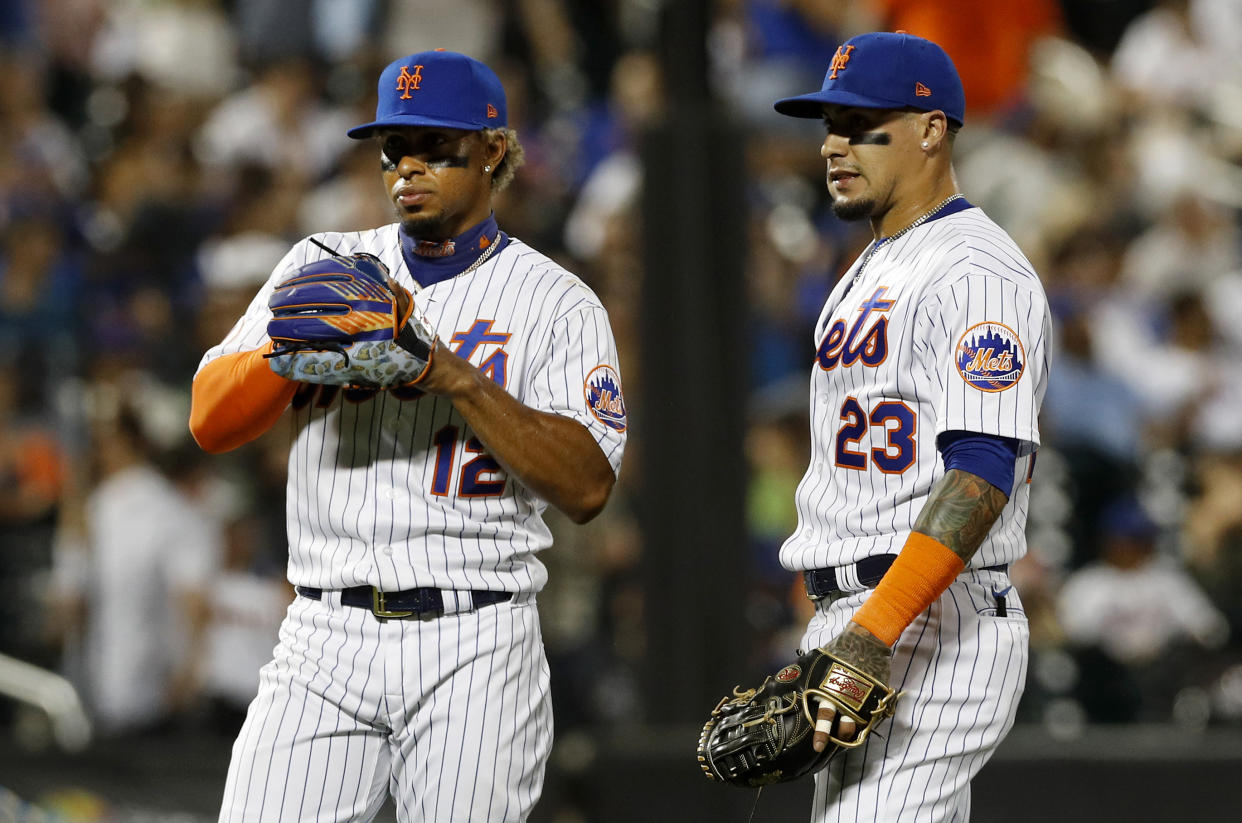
[821, 583]
[403, 604]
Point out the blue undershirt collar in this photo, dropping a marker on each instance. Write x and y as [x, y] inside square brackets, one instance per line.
[432, 262]
[961, 204]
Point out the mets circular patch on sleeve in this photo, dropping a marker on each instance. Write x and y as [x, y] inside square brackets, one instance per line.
[990, 357]
[603, 397]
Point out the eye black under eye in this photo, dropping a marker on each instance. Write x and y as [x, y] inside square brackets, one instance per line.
[395, 148]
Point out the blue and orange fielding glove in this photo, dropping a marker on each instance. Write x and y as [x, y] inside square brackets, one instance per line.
[344, 321]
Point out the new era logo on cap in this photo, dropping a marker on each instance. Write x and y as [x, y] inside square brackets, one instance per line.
[885, 70]
[437, 88]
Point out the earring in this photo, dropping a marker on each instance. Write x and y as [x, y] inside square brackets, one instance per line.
[924, 144]
[487, 169]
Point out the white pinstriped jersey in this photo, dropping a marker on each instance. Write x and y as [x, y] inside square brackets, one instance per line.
[390, 488]
[946, 328]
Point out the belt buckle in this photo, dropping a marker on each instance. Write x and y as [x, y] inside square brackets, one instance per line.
[811, 586]
[380, 609]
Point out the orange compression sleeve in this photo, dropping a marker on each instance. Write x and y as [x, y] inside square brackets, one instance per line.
[918, 576]
[236, 398]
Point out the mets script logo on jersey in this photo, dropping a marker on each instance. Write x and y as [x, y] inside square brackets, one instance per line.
[603, 397]
[839, 60]
[869, 346]
[990, 357]
[407, 82]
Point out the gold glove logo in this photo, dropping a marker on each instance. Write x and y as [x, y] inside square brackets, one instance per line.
[789, 674]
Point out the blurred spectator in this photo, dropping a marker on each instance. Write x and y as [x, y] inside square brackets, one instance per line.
[1055, 165]
[152, 206]
[612, 175]
[273, 31]
[763, 48]
[1093, 420]
[471, 27]
[41, 282]
[280, 121]
[245, 605]
[1193, 243]
[1180, 53]
[33, 467]
[776, 454]
[41, 163]
[346, 200]
[1213, 534]
[989, 42]
[1134, 619]
[135, 581]
[189, 46]
[1187, 379]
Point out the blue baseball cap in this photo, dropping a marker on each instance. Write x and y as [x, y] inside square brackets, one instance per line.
[883, 70]
[437, 88]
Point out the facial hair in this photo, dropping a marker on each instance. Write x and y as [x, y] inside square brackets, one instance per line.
[424, 227]
[853, 210]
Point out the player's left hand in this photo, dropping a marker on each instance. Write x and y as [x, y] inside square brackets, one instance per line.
[866, 652]
[766, 734]
[345, 321]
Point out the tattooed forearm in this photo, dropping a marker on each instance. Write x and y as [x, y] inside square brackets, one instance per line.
[959, 512]
[864, 650]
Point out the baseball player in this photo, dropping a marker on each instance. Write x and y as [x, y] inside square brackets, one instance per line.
[930, 367]
[411, 661]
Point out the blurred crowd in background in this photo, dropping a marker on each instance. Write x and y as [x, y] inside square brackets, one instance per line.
[158, 157]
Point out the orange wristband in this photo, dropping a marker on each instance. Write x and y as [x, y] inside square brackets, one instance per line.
[918, 576]
[236, 398]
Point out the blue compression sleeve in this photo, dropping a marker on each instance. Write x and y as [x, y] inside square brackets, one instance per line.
[991, 457]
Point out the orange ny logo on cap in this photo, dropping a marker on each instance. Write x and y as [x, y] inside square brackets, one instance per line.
[407, 82]
[921, 91]
[839, 60]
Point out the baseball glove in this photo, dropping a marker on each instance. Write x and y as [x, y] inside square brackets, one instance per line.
[344, 321]
[764, 735]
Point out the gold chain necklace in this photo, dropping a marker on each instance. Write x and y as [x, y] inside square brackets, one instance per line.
[883, 240]
[913, 225]
[487, 252]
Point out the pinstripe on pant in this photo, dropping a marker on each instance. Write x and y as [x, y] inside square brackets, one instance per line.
[451, 715]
